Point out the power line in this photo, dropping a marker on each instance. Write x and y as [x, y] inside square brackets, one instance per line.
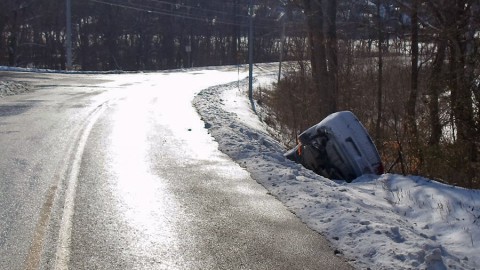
[234, 5]
[68, 13]
[196, 8]
[170, 13]
[167, 13]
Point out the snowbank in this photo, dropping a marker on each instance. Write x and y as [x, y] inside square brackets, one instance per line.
[378, 222]
[8, 88]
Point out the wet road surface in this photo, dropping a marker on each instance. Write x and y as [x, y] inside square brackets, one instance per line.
[118, 172]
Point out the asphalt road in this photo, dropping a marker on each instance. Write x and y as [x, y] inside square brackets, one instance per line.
[116, 171]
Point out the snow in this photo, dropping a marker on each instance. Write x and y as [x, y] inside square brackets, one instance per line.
[8, 88]
[377, 222]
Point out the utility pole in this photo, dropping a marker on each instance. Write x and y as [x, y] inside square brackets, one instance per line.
[250, 53]
[69, 35]
[282, 42]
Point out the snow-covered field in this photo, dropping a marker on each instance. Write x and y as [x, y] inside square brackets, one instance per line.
[377, 222]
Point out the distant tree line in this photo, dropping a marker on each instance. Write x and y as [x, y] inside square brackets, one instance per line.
[135, 35]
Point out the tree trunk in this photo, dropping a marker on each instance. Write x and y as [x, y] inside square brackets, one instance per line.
[378, 131]
[411, 125]
[13, 42]
[462, 107]
[323, 77]
[332, 60]
[434, 85]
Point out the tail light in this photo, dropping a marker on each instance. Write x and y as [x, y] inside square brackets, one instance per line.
[300, 148]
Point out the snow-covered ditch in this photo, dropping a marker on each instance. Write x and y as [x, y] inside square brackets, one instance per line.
[378, 222]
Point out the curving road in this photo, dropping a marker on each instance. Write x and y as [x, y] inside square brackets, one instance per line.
[116, 171]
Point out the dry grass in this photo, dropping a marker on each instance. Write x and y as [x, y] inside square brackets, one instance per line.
[294, 106]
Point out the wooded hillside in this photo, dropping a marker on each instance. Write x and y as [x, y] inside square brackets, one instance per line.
[135, 35]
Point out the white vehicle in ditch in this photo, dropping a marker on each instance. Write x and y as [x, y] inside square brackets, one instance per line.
[338, 147]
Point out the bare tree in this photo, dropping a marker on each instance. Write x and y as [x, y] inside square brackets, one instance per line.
[321, 23]
[411, 125]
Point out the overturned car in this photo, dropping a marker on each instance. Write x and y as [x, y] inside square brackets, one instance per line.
[338, 147]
